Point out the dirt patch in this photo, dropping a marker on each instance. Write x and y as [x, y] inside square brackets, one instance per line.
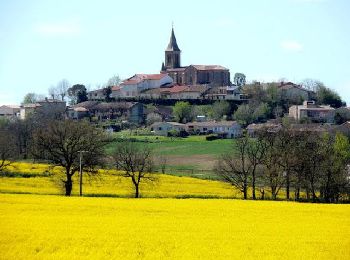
[203, 162]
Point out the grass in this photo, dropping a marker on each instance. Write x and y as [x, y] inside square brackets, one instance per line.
[56, 227]
[193, 153]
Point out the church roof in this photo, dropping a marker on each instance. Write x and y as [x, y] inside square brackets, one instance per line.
[172, 46]
[209, 67]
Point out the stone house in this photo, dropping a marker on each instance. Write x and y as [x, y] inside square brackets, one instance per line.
[46, 107]
[77, 113]
[133, 112]
[9, 111]
[315, 113]
[97, 95]
[293, 91]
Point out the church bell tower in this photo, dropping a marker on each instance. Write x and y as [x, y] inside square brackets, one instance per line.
[172, 53]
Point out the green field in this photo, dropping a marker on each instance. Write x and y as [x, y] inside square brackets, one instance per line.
[191, 156]
[57, 227]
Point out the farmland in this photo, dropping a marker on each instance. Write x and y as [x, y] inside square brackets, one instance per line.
[55, 227]
[43, 179]
[192, 156]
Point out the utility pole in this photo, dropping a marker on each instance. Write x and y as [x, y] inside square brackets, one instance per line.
[81, 173]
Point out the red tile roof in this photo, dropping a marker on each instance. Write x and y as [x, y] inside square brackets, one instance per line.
[116, 88]
[137, 78]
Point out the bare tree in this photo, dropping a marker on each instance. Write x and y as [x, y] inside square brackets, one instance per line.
[234, 168]
[136, 161]
[255, 152]
[273, 174]
[7, 147]
[53, 92]
[62, 88]
[61, 143]
[162, 161]
[113, 81]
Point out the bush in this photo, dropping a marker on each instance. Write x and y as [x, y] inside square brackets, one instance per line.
[211, 137]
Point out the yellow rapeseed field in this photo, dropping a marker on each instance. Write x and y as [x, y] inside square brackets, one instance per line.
[110, 183]
[57, 227]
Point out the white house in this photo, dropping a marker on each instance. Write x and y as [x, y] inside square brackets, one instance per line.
[227, 129]
[132, 87]
[163, 128]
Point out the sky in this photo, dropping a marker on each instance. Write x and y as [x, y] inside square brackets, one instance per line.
[88, 42]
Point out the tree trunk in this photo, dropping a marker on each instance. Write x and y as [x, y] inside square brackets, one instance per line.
[253, 185]
[287, 185]
[245, 188]
[137, 194]
[68, 185]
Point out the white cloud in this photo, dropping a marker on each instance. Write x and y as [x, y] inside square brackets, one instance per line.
[58, 29]
[291, 45]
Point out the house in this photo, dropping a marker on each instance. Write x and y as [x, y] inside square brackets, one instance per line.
[293, 91]
[224, 93]
[97, 95]
[163, 128]
[134, 85]
[176, 92]
[77, 112]
[9, 111]
[165, 112]
[28, 109]
[315, 113]
[226, 129]
[116, 92]
[47, 107]
[133, 112]
[253, 129]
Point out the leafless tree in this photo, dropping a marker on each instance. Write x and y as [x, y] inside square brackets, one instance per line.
[62, 88]
[7, 147]
[234, 167]
[53, 92]
[162, 161]
[61, 143]
[113, 81]
[273, 173]
[255, 152]
[136, 161]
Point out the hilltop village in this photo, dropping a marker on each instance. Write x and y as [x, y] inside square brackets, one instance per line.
[192, 99]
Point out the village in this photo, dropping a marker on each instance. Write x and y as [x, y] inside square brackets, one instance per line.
[148, 100]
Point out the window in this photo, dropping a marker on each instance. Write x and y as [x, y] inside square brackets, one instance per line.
[168, 59]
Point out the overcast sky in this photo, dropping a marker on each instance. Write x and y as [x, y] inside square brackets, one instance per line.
[87, 42]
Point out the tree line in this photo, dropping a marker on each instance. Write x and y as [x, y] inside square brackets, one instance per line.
[311, 166]
[72, 145]
[305, 165]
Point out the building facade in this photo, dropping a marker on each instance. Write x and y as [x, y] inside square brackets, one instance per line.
[213, 75]
[310, 111]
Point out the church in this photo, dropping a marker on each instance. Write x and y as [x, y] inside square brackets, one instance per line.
[211, 75]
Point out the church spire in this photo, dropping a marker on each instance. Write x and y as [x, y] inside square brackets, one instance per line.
[172, 46]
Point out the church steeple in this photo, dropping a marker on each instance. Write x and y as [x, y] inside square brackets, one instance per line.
[172, 53]
[172, 46]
